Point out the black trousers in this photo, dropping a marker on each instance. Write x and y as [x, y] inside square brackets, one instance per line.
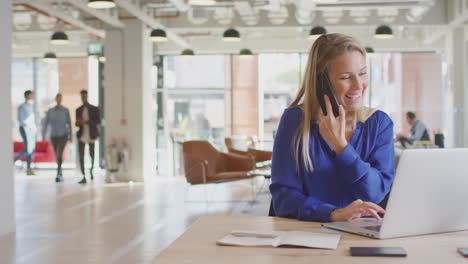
[59, 143]
[81, 148]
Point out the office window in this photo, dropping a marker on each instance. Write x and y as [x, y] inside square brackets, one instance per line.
[279, 77]
[195, 72]
[37, 76]
[195, 96]
[67, 76]
[401, 82]
[192, 100]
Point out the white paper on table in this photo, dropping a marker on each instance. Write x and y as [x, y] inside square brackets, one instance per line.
[280, 238]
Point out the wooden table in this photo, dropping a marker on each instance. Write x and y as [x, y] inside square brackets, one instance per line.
[198, 245]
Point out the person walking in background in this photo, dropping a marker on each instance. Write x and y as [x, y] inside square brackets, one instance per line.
[418, 131]
[88, 120]
[58, 117]
[28, 129]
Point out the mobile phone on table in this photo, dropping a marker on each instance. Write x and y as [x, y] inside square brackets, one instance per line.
[324, 87]
[378, 251]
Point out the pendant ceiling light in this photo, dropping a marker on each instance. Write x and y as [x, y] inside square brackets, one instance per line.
[383, 32]
[187, 52]
[316, 32]
[231, 35]
[158, 35]
[369, 50]
[202, 2]
[50, 57]
[59, 38]
[99, 4]
[245, 52]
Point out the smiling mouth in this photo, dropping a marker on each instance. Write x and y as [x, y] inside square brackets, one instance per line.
[353, 98]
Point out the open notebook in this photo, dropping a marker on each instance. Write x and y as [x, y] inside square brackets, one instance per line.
[280, 238]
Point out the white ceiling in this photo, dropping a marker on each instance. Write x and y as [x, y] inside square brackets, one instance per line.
[265, 25]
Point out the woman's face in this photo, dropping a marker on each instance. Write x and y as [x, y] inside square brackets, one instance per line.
[349, 79]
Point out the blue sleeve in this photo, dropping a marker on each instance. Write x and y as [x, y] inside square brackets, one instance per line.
[286, 189]
[371, 179]
[22, 115]
[69, 124]
[417, 132]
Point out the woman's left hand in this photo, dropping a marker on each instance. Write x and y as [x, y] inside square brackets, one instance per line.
[333, 128]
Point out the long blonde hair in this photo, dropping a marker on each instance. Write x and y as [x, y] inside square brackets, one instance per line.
[324, 50]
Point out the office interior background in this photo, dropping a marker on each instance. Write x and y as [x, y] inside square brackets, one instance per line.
[196, 86]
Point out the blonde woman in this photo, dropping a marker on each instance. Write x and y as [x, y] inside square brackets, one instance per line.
[328, 168]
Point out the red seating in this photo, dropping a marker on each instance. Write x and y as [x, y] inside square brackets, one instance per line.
[44, 151]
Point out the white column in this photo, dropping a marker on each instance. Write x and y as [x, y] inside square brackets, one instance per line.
[128, 110]
[7, 188]
[458, 56]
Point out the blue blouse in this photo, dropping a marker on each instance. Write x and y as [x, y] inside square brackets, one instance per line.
[364, 170]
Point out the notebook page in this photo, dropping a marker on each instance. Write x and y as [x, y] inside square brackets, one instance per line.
[309, 239]
[247, 241]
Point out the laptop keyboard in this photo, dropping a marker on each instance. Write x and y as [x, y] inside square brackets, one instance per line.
[373, 228]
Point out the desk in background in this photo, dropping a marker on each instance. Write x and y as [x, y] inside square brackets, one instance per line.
[198, 245]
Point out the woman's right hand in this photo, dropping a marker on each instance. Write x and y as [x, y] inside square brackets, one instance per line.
[355, 210]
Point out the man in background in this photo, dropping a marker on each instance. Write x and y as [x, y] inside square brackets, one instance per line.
[58, 118]
[88, 120]
[418, 131]
[28, 129]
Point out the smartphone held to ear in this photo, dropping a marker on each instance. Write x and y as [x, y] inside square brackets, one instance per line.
[463, 252]
[324, 88]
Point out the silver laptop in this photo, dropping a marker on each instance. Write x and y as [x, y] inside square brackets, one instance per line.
[429, 195]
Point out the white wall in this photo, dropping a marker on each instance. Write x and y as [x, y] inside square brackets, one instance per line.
[7, 200]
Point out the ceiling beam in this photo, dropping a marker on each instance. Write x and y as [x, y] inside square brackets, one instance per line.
[63, 16]
[181, 5]
[274, 5]
[244, 8]
[100, 14]
[135, 10]
[459, 21]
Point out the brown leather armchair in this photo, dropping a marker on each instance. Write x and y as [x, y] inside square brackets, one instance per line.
[256, 154]
[204, 164]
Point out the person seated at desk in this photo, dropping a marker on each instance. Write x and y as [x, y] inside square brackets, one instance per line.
[418, 131]
[328, 168]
